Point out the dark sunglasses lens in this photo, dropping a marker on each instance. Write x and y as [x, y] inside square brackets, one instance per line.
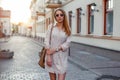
[59, 15]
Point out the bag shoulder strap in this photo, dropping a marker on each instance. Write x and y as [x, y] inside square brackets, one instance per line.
[50, 34]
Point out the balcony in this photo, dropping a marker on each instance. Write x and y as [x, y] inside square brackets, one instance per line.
[53, 4]
[40, 13]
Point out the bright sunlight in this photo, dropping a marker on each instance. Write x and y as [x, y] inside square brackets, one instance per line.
[20, 11]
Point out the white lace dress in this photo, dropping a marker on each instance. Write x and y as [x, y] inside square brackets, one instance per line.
[58, 38]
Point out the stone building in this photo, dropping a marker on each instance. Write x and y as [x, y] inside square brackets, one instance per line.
[5, 27]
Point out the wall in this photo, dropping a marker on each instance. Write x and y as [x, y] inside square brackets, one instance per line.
[98, 24]
[116, 23]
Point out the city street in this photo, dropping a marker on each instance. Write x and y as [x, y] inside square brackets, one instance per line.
[92, 27]
[24, 64]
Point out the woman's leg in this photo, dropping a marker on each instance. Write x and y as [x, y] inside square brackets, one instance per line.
[61, 76]
[52, 76]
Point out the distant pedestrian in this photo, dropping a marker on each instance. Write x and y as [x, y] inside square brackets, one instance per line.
[57, 52]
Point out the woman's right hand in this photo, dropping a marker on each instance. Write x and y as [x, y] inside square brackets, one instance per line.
[49, 60]
[51, 51]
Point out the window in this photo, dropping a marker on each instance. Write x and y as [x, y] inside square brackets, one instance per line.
[79, 20]
[90, 19]
[108, 17]
[70, 18]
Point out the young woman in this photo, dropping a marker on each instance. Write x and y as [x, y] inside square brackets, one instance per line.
[57, 51]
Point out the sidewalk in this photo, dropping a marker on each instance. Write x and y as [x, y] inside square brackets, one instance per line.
[2, 40]
[95, 63]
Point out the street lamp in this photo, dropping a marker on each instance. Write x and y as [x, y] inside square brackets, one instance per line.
[81, 11]
[93, 7]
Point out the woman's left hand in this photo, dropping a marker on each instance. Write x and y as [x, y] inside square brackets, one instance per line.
[50, 51]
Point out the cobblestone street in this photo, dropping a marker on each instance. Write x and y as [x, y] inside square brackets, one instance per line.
[24, 65]
[89, 30]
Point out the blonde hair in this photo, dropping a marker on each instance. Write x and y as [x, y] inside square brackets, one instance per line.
[65, 22]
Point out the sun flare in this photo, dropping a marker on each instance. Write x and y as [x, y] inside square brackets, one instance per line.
[20, 11]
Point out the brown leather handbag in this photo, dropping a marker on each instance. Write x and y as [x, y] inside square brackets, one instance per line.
[42, 57]
[42, 53]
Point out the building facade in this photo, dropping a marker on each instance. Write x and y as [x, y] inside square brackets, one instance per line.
[5, 27]
[93, 22]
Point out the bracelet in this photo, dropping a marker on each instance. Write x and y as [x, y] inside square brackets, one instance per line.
[57, 49]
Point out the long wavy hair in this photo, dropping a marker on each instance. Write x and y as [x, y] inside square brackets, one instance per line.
[65, 22]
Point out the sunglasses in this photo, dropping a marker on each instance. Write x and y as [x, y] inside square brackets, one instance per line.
[61, 15]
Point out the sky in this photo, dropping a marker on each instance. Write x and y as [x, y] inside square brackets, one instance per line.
[20, 11]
